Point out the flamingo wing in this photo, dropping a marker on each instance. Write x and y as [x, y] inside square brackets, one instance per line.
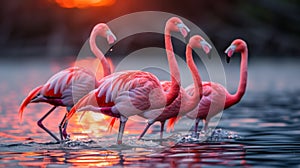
[136, 85]
[70, 85]
[212, 102]
[62, 89]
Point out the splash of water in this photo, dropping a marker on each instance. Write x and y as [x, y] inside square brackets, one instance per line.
[216, 135]
[131, 142]
[77, 144]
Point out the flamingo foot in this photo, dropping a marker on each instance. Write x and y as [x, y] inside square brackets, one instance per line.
[194, 129]
[162, 129]
[65, 135]
[123, 121]
[195, 135]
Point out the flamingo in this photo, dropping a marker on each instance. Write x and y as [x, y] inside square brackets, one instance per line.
[215, 94]
[184, 102]
[69, 85]
[128, 93]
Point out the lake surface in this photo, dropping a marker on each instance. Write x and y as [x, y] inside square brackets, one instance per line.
[261, 131]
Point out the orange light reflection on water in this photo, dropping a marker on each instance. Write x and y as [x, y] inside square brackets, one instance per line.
[93, 158]
[58, 157]
[96, 125]
[193, 155]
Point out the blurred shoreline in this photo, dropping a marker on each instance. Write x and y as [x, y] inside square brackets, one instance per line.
[42, 27]
[266, 75]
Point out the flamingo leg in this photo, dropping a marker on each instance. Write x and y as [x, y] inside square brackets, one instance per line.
[146, 129]
[40, 124]
[63, 128]
[123, 121]
[162, 129]
[65, 134]
[205, 123]
[195, 133]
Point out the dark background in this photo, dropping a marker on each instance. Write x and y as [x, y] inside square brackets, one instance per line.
[41, 28]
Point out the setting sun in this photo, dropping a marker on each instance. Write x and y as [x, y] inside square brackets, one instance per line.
[84, 3]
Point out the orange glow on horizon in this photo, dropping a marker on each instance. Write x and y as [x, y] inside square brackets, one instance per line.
[84, 3]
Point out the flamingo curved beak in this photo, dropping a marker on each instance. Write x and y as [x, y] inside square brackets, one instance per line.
[229, 52]
[111, 38]
[184, 30]
[205, 46]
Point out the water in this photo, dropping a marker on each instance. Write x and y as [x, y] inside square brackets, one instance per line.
[261, 131]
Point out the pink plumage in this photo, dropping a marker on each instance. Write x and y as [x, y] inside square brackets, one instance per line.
[127, 93]
[184, 102]
[69, 85]
[215, 96]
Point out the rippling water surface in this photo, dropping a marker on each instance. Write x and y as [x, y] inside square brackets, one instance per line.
[261, 131]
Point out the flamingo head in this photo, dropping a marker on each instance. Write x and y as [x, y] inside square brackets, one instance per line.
[175, 24]
[237, 45]
[198, 42]
[103, 30]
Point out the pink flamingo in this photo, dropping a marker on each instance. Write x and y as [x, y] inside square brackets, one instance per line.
[184, 102]
[69, 85]
[215, 94]
[127, 93]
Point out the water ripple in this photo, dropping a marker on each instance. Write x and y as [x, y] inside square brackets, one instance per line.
[261, 131]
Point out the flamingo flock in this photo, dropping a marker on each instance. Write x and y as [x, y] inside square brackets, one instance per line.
[124, 94]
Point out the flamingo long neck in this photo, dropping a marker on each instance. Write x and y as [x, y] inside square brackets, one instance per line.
[189, 102]
[174, 71]
[243, 80]
[98, 53]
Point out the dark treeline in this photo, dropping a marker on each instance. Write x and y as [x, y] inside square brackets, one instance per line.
[42, 28]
